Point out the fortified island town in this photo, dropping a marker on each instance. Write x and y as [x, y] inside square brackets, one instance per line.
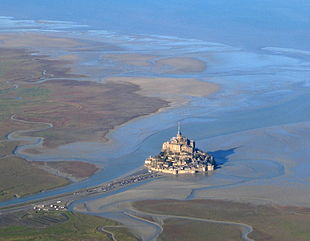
[180, 156]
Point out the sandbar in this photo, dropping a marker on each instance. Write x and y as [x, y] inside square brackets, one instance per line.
[182, 65]
[175, 90]
[132, 58]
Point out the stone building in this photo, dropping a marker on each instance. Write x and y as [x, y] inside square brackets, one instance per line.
[179, 144]
[179, 155]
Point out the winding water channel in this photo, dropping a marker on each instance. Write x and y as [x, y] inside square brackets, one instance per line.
[259, 90]
[245, 229]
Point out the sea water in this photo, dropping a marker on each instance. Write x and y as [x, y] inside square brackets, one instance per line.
[258, 55]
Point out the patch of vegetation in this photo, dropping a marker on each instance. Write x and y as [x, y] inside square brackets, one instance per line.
[6, 65]
[33, 92]
[17, 100]
[121, 233]
[7, 147]
[6, 91]
[19, 178]
[55, 136]
[185, 230]
[43, 219]
[76, 169]
[75, 227]
[7, 107]
[78, 110]
[269, 222]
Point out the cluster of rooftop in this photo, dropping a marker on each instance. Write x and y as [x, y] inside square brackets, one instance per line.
[180, 156]
[49, 207]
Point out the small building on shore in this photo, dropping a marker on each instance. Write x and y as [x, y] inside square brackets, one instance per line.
[179, 155]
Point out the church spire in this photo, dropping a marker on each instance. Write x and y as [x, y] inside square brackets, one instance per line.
[179, 129]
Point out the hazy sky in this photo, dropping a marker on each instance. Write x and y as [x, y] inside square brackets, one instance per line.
[245, 23]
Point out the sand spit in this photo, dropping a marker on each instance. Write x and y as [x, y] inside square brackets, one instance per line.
[26, 40]
[175, 90]
[35, 40]
[182, 65]
[160, 64]
[131, 58]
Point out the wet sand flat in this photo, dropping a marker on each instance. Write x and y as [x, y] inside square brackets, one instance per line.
[131, 58]
[33, 93]
[290, 148]
[267, 222]
[256, 125]
[44, 100]
[160, 64]
[35, 40]
[55, 41]
[263, 176]
[176, 90]
[182, 65]
[247, 80]
[50, 89]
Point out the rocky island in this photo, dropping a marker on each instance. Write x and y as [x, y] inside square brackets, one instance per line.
[180, 156]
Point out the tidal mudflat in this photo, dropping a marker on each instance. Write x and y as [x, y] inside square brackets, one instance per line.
[256, 126]
[252, 114]
[236, 221]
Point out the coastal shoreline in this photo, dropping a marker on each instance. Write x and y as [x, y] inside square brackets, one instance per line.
[33, 143]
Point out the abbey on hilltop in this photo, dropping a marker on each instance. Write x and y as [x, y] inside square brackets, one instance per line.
[180, 156]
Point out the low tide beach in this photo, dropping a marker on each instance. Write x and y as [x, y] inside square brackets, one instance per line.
[247, 108]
